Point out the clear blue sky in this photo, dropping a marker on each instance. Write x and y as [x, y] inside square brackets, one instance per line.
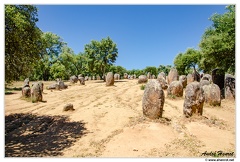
[146, 35]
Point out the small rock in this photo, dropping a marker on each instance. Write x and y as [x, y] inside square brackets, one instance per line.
[68, 107]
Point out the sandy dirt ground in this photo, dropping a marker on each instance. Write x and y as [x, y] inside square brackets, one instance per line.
[108, 122]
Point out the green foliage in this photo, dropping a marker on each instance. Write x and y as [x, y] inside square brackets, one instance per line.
[22, 41]
[185, 61]
[58, 70]
[151, 69]
[52, 47]
[218, 42]
[142, 87]
[100, 55]
[117, 69]
[164, 69]
[137, 72]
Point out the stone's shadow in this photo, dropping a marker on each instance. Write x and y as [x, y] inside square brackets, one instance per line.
[28, 135]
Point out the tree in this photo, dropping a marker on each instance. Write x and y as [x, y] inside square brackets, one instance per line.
[100, 55]
[117, 69]
[185, 61]
[151, 69]
[218, 42]
[22, 41]
[52, 47]
[164, 69]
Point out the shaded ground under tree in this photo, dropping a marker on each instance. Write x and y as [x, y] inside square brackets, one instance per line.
[29, 135]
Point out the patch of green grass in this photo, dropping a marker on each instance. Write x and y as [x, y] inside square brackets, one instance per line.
[172, 96]
[142, 87]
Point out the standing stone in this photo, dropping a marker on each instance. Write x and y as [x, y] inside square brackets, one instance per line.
[175, 88]
[153, 76]
[41, 85]
[81, 80]
[125, 75]
[142, 79]
[62, 85]
[134, 76]
[93, 78]
[26, 83]
[116, 76]
[212, 94]
[36, 92]
[162, 81]
[86, 78]
[149, 75]
[109, 79]
[163, 74]
[194, 99]
[73, 79]
[204, 82]
[172, 76]
[207, 77]
[26, 92]
[153, 100]
[183, 79]
[229, 87]
[218, 78]
[190, 78]
[89, 78]
[98, 77]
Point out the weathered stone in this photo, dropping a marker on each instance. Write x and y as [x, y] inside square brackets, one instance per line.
[116, 76]
[190, 78]
[26, 83]
[131, 77]
[62, 85]
[125, 75]
[204, 82]
[142, 79]
[175, 89]
[153, 77]
[163, 74]
[218, 77]
[212, 94]
[81, 80]
[36, 92]
[153, 100]
[229, 87]
[109, 79]
[172, 76]
[73, 79]
[207, 77]
[26, 92]
[149, 75]
[162, 81]
[93, 78]
[134, 76]
[54, 86]
[86, 78]
[98, 77]
[194, 99]
[41, 85]
[80, 75]
[68, 107]
[183, 79]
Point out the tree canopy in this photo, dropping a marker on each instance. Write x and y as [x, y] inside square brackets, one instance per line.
[100, 55]
[23, 42]
[218, 42]
[185, 61]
